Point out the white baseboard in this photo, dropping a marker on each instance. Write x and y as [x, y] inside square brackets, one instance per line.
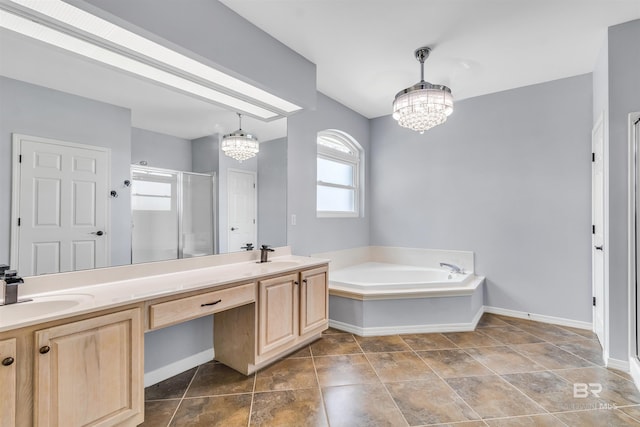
[620, 365]
[634, 370]
[540, 318]
[407, 329]
[167, 371]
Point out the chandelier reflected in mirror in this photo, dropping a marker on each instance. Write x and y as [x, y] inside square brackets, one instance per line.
[240, 145]
[423, 105]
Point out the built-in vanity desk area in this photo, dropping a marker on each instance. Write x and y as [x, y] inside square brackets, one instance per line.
[75, 354]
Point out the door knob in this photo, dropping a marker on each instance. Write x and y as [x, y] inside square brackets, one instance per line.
[235, 228]
[98, 233]
[599, 248]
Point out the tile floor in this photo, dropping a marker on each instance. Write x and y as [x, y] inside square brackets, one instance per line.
[508, 372]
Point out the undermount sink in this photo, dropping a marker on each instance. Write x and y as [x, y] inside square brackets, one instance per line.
[41, 306]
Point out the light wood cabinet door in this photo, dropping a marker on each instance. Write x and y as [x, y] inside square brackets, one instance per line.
[277, 312]
[90, 372]
[314, 304]
[8, 385]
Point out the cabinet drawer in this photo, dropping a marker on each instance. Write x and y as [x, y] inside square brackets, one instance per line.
[176, 311]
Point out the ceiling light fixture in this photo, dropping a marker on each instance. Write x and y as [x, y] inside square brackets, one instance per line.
[240, 145]
[104, 41]
[423, 105]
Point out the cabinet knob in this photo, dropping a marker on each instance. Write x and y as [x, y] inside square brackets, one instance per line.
[44, 349]
[296, 282]
[304, 281]
[8, 361]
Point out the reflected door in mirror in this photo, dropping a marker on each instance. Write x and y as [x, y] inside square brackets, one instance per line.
[241, 192]
[61, 203]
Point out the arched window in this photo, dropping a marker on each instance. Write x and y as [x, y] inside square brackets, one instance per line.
[339, 188]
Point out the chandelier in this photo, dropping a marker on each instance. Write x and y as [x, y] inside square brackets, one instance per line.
[239, 145]
[423, 105]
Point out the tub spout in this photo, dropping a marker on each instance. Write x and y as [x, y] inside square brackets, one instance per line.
[454, 268]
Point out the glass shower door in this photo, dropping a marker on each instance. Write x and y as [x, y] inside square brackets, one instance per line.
[197, 215]
[154, 205]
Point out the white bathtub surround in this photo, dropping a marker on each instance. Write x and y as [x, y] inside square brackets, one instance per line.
[379, 290]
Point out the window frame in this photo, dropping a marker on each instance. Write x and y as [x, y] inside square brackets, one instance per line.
[353, 159]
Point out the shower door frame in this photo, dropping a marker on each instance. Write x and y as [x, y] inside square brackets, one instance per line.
[180, 208]
[634, 246]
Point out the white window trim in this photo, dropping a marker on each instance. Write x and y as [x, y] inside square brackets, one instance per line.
[324, 152]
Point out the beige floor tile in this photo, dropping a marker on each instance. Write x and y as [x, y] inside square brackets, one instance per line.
[215, 379]
[335, 344]
[288, 408]
[511, 335]
[287, 374]
[529, 421]
[430, 402]
[599, 418]
[504, 360]
[427, 341]
[222, 411]
[587, 349]
[344, 369]
[493, 397]
[158, 413]
[171, 388]
[615, 389]
[383, 344]
[399, 366]
[552, 392]
[489, 320]
[550, 356]
[453, 363]
[361, 405]
[471, 339]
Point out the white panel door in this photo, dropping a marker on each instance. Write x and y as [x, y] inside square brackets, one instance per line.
[241, 193]
[597, 250]
[61, 206]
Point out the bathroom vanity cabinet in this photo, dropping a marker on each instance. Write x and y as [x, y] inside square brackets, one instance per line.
[88, 369]
[8, 390]
[291, 311]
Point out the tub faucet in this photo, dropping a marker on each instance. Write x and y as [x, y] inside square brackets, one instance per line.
[10, 281]
[454, 268]
[264, 253]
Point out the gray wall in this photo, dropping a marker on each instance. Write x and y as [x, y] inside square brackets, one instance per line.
[210, 29]
[272, 193]
[38, 111]
[624, 98]
[507, 177]
[312, 234]
[160, 150]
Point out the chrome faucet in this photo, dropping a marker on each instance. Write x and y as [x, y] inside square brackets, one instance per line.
[454, 268]
[10, 281]
[264, 253]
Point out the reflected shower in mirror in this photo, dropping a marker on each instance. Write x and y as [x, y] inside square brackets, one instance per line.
[51, 93]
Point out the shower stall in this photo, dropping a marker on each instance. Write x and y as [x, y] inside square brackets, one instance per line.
[172, 214]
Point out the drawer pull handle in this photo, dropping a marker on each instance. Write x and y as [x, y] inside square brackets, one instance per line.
[210, 303]
[44, 349]
[8, 361]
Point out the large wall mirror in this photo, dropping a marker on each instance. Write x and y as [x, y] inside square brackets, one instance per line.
[165, 166]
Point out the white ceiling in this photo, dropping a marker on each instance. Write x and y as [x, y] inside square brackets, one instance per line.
[363, 49]
[153, 107]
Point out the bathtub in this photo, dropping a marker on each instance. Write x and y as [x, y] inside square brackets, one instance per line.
[380, 276]
[383, 290]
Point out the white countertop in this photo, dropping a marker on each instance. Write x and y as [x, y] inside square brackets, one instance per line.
[77, 300]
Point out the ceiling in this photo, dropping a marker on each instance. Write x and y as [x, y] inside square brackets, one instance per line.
[363, 49]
